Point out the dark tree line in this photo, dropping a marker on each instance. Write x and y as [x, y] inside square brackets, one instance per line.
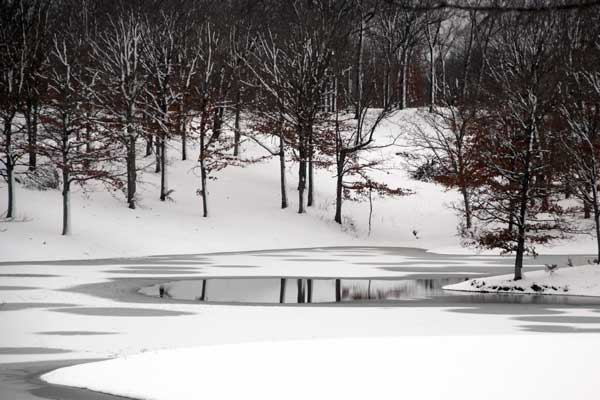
[511, 96]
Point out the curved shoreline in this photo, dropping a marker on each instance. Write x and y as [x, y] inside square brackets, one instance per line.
[22, 381]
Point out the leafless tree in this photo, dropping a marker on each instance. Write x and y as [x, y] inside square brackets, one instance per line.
[116, 55]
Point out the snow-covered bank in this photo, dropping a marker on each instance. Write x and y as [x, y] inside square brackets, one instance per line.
[411, 367]
[573, 281]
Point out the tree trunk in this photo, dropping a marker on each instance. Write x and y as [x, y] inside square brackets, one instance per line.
[301, 184]
[31, 120]
[66, 195]
[467, 204]
[163, 170]
[587, 210]
[300, 285]
[403, 81]
[10, 176]
[203, 188]
[66, 222]
[158, 143]
[386, 85]
[523, 208]
[10, 212]
[339, 189]
[282, 290]
[184, 144]
[338, 290]
[148, 146]
[432, 82]
[131, 172]
[237, 130]
[520, 253]
[309, 284]
[284, 201]
[203, 295]
[359, 68]
[596, 207]
[183, 131]
[201, 160]
[311, 176]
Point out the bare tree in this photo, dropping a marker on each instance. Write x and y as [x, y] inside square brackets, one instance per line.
[64, 118]
[161, 96]
[522, 67]
[293, 69]
[397, 32]
[581, 112]
[116, 55]
[20, 25]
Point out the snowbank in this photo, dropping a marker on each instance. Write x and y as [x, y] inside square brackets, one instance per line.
[416, 368]
[573, 281]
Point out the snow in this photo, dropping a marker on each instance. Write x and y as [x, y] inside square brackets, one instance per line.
[91, 308]
[244, 213]
[574, 281]
[411, 367]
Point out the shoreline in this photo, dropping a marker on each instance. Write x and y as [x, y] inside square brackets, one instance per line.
[22, 381]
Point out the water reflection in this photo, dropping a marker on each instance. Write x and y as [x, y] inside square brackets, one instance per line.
[394, 292]
[299, 290]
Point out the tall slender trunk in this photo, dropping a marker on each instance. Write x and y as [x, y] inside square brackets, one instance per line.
[386, 84]
[31, 121]
[66, 196]
[282, 286]
[149, 146]
[301, 183]
[10, 176]
[284, 201]
[587, 210]
[403, 79]
[203, 177]
[311, 175]
[523, 208]
[358, 84]
[131, 172]
[596, 207]
[468, 51]
[309, 296]
[467, 205]
[237, 122]
[163, 169]
[204, 189]
[432, 80]
[183, 130]
[10, 211]
[158, 150]
[338, 290]
[203, 294]
[339, 188]
[300, 286]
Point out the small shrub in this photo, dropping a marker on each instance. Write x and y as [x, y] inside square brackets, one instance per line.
[550, 268]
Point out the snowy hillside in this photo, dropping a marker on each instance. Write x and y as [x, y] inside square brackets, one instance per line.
[244, 213]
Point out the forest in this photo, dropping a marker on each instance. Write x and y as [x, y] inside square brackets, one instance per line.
[91, 91]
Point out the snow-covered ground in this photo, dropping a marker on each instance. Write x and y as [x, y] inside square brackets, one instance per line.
[244, 213]
[91, 308]
[575, 281]
[419, 368]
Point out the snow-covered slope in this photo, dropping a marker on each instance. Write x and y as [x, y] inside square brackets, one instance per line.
[244, 213]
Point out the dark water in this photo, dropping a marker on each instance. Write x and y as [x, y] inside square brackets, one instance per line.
[404, 292]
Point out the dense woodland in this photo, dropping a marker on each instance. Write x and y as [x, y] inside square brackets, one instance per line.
[89, 90]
